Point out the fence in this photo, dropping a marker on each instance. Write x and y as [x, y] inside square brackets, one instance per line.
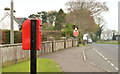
[12, 54]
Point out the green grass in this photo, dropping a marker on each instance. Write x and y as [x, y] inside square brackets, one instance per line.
[43, 65]
[0, 70]
[116, 43]
[83, 45]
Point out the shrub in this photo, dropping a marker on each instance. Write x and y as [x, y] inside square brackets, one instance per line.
[67, 31]
[5, 39]
[56, 34]
[17, 36]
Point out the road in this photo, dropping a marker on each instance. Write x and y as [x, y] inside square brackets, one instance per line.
[108, 51]
[71, 60]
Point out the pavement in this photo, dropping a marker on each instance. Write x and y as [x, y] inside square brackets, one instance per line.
[72, 60]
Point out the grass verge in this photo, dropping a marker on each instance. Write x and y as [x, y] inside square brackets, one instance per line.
[83, 45]
[43, 65]
[0, 70]
[116, 43]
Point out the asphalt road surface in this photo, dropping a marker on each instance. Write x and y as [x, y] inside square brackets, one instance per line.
[110, 51]
[71, 60]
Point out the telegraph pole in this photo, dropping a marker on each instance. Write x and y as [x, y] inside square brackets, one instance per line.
[12, 25]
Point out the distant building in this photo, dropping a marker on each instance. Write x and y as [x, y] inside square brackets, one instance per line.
[86, 36]
[5, 22]
[116, 37]
[108, 34]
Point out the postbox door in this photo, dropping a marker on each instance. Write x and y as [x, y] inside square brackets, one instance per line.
[26, 35]
[38, 34]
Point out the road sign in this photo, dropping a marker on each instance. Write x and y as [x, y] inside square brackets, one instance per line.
[75, 32]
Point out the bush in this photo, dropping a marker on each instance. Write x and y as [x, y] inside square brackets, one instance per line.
[47, 27]
[6, 37]
[17, 36]
[56, 34]
[67, 31]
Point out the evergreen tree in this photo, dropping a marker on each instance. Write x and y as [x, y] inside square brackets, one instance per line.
[60, 20]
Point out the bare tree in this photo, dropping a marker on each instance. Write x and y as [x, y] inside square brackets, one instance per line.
[107, 34]
[83, 13]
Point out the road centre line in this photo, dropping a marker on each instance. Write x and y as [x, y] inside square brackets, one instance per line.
[108, 61]
[85, 59]
[105, 58]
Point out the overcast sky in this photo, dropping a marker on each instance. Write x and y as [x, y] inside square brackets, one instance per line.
[26, 7]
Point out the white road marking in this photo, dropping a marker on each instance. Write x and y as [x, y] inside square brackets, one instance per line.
[116, 68]
[112, 64]
[108, 61]
[105, 58]
[101, 54]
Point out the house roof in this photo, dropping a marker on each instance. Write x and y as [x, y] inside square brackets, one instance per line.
[18, 20]
[6, 14]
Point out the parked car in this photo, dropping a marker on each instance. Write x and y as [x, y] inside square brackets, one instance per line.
[89, 41]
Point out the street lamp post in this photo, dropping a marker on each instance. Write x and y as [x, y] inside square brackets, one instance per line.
[12, 25]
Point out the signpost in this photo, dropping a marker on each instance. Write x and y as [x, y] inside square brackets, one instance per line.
[75, 32]
[33, 46]
[31, 40]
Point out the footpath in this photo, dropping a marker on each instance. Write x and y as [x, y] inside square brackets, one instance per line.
[72, 60]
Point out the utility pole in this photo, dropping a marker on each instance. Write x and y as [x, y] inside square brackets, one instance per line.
[12, 25]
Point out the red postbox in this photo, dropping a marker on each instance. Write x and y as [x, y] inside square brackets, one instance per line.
[26, 35]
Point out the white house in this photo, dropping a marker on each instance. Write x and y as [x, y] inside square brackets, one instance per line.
[85, 37]
[5, 23]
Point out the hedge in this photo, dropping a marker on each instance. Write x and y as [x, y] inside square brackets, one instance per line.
[56, 34]
[5, 36]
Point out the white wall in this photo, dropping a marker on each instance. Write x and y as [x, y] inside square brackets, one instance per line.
[5, 24]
